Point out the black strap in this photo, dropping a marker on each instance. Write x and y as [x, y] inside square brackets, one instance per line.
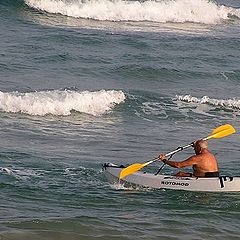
[161, 168]
[221, 182]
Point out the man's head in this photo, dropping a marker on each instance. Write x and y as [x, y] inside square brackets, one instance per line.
[200, 145]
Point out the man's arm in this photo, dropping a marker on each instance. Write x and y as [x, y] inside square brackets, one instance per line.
[186, 163]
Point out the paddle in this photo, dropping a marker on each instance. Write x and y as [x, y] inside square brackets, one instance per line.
[219, 132]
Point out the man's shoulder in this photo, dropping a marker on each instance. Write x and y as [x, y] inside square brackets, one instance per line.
[197, 158]
[205, 156]
[194, 158]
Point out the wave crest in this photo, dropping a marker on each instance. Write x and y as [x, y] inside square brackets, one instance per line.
[59, 102]
[197, 11]
[226, 103]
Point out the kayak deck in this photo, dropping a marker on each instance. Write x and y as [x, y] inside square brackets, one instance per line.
[213, 184]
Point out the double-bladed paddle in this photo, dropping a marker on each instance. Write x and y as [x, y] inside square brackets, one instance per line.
[219, 132]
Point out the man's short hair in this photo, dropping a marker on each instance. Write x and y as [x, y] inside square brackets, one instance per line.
[202, 144]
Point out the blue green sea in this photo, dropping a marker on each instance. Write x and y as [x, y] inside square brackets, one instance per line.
[84, 82]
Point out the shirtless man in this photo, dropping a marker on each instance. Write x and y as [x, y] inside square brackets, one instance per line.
[204, 163]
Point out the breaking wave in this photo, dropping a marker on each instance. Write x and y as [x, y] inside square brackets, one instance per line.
[197, 11]
[60, 102]
[225, 103]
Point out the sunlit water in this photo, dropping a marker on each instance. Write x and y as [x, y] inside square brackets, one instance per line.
[88, 82]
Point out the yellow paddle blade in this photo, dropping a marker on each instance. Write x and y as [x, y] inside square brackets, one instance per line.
[131, 169]
[223, 128]
[222, 131]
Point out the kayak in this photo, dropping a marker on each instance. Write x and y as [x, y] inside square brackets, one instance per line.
[150, 180]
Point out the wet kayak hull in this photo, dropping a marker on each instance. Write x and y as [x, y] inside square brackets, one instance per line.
[149, 180]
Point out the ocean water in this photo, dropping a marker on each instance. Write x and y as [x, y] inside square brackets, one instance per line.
[88, 82]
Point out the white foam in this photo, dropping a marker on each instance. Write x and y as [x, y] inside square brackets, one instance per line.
[197, 11]
[58, 102]
[19, 174]
[122, 186]
[225, 103]
[6, 170]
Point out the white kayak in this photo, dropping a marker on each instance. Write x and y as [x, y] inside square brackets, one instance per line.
[149, 180]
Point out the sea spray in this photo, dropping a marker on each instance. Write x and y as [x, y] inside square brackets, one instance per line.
[58, 102]
[197, 11]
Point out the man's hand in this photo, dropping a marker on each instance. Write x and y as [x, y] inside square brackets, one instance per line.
[162, 157]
